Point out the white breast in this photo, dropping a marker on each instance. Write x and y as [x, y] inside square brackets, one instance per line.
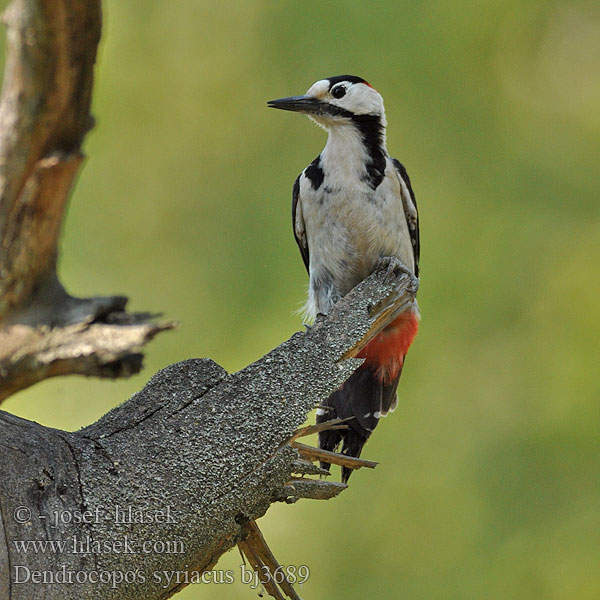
[349, 228]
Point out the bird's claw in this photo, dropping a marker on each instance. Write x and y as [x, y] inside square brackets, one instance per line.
[393, 266]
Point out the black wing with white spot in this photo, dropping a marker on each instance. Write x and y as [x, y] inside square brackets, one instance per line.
[410, 211]
[298, 222]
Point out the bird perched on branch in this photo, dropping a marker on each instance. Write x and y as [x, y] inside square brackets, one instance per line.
[353, 207]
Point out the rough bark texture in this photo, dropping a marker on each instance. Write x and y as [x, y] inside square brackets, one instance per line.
[210, 448]
[44, 116]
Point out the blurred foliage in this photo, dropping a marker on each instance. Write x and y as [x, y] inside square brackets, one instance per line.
[488, 485]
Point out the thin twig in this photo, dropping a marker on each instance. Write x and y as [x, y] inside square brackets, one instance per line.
[310, 453]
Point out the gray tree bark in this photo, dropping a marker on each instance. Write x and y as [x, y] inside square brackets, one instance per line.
[210, 449]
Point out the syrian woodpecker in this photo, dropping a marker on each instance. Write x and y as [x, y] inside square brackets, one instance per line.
[353, 207]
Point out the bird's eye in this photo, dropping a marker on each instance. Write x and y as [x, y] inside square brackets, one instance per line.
[338, 91]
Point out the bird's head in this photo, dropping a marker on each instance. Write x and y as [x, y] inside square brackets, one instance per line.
[336, 101]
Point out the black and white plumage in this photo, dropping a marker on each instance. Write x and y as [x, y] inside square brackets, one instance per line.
[352, 207]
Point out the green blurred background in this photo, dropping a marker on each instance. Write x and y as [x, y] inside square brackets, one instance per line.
[488, 484]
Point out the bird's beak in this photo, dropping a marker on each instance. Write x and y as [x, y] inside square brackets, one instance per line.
[305, 104]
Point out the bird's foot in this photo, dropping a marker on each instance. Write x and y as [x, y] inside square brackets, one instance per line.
[393, 266]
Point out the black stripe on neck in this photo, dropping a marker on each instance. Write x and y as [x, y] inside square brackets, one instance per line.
[371, 130]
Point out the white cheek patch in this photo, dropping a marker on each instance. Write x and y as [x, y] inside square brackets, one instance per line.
[320, 412]
[363, 100]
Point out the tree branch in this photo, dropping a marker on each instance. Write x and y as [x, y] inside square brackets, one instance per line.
[44, 116]
[211, 449]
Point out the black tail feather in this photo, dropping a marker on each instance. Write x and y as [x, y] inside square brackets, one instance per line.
[364, 397]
